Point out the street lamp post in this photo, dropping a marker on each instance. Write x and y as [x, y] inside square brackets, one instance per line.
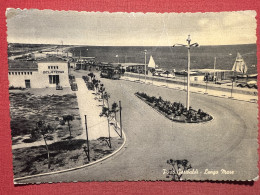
[86, 61]
[189, 45]
[145, 51]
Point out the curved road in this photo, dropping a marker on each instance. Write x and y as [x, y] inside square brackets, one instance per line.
[228, 142]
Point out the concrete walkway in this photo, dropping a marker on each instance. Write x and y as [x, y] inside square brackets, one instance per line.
[90, 106]
[209, 92]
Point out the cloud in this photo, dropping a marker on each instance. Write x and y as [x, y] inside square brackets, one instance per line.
[95, 28]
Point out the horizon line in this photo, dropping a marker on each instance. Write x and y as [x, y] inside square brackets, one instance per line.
[123, 45]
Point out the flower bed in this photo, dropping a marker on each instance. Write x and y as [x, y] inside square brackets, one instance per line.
[174, 111]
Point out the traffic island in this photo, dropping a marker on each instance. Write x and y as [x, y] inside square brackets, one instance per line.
[174, 111]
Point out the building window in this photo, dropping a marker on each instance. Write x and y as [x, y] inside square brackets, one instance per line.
[9, 73]
[24, 73]
[18, 73]
[48, 67]
[54, 79]
[15, 73]
[57, 67]
[12, 73]
[30, 73]
[51, 67]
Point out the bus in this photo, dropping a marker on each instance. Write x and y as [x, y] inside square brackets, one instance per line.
[110, 73]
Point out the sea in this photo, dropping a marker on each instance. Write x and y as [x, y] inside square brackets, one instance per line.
[169, 58]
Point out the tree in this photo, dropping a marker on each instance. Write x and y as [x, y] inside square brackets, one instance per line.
[107, 113]
[101, 90]
[43, 129]
[85, 78]
[68, 118]
[91, 75]
[178, 168]
[96, 84]
[114, 109]
[106, 96]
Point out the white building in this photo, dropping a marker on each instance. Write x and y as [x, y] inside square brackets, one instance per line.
[48, 72]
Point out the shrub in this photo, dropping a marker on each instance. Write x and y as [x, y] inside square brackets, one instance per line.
[62, 122]
[176, 108]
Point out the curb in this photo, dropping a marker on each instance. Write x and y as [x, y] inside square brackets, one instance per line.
[75, 168]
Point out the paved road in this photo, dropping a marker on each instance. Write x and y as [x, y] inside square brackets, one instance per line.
[228, 142]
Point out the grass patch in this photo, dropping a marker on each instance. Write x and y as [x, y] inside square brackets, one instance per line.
[63, 154]
[26, 109]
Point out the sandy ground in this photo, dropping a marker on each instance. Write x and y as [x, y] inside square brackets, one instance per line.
[19, 141]
[97, 126]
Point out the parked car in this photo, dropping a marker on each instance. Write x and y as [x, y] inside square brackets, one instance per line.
[167, 74]
[58, 87]
[74, 87]
[157, 72]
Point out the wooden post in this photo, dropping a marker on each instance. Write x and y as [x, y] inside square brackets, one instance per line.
[120, 109]
[87, 138]
[183, 81]
[109, 137]
[232, 87]
[206, 92]
[145, 65]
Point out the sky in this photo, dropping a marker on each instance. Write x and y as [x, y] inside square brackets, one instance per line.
[129, 29]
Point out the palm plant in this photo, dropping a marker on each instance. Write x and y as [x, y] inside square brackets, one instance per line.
[68, 118]
[114, 108]
[101, 90]
[91, 75]
[106, 96]
[107, 113]
[178, 168]
[43, 129]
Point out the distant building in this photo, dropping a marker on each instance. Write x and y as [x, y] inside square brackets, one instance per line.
[36, 56]
[134, 67]
[219, 74]
[45, 73]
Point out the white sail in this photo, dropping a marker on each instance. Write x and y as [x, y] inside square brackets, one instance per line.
[151, 63]
[239, 65]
